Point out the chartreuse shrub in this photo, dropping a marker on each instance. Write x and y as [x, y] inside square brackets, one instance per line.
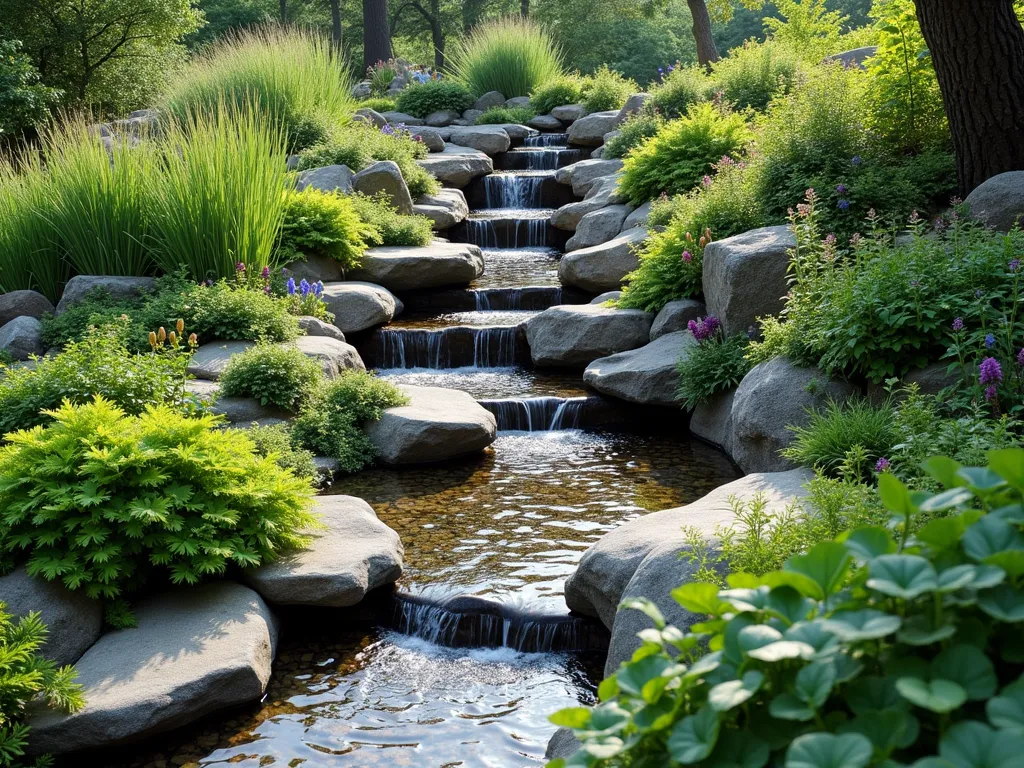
[503, 115]
[881, 647]
[330, 423]
[275, 441]
[283, 77]
[322, 224]
[513, 56]
[716, 364]
[389, 227]
[682, 152]
[557, 92]
[104, 501]
[273, 374]
[420, 99]
[378, 104]
[632, 133]
[606, 90]
[26, 677]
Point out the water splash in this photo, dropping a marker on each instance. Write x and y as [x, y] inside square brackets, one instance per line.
[547, 140]
[508, 231]
[548, 158]
[457, 347]
[536, 414]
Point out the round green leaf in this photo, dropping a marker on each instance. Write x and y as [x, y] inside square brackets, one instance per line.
[786, 706]
[919, 630]
[632, 677]
[607, 719]
[1007, 709]
[902, 576]
[572, 717]
[738, 749]
[816, 635]
[969, 667]
[746, 599]
[989, 536]
[780, 650]
[788, 604]
[957, 577]
[700, 597]
[693, 737]
[814, 683]
[1004, 603]
[873, 694]
[826, 564]
[936, 695]
[869, 542]
[758, 635]
[1008, 463]
[971, 744]
[981, 479]
[732, 693]
[826, 750]
[887, 729]
[866, 624]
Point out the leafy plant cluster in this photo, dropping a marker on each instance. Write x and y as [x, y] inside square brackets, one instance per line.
[323, 224]
[557, 92]
[420, 99]
[105, 501]
[632, 133]
[387, 225]
[715, 364]
[606, 90]
[277, 375]
[25, 677]
[503, 115]
[24, 103]
[275, 441]
[890, 645]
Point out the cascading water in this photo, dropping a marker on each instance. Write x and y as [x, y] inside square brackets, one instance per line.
[514, 190]
[511, 230]
[545, 158]
[547, 140]
[536, 414]
[455, 347]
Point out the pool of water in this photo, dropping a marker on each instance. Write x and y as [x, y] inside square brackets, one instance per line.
[516, 267]
[480, 318]
[485, 383]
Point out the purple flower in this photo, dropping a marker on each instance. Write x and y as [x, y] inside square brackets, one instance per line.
[855, 160]
[209, 282]
[266, 289]
[840, 189]
[290, 285]
[318, 289]
[990, 372]
[704, 328]
[882, 465]
[1020, 357]
[843, 204]
[1014, 265]
[304, 287]
[265, 273]
[687, 257]
[990, 341]
[958, 324]
[991, 391]
[707, 181]
[978, 293]
[239, 267]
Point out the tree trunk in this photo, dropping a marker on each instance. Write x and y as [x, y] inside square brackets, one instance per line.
[283, 5]
[978, 52]
[335, 23]
[437, 37]
[376, 32]
[707, 53]
[524, 8]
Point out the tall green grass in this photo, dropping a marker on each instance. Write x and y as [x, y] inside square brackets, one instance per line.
[100, 201]
[513, 56]
[220, 197]
[30, 251]
[292, 77]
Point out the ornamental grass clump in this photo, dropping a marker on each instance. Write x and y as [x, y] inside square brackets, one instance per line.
[513, 56]
[560, 91]
[894, 644]
[105, 502]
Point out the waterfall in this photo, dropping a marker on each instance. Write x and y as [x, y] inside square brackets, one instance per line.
[514, 190]
[547, 140]
[454, 347]
[539, 158]
[495, 347]
[504, 232]
[536, 414]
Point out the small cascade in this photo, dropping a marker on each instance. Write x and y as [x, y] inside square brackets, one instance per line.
[518, 299]
[536, 414]
[538, 158]
[473, 622]
[507, 231]
[455, 347]
[547, 140]
[495, 347]
[514, 190]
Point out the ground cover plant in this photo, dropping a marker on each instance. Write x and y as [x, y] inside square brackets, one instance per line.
[420, 99]
[632, 133]
[556, 92]
[875, 647]
[715, 364]
[275, 441]
[501, 115]
[388, 226]
[513, 56]
[281, 376]
[322, 224]
[606, 90]
[105, 502]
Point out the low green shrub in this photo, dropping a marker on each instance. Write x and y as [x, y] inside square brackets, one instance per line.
[24, 103]
[26, 677]
[322, 224]
[753, 75]
[273, 374]
[557, 92]
[682, 153]
[378, 104]
[681, 88]
[716, 364]
[330, 423]
[502, 115]
[632, 133]
[163, 497]
[275, 441]
[513, 56]
[606, 90]
[873, 649]
[390, 226]
[420, 99]
[98, 362]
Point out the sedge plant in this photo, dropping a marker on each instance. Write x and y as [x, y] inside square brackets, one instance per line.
[513, 56]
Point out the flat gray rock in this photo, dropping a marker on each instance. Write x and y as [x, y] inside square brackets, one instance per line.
[357, 305]
[441, 118]
[445, 209]
[516, 131]
[437, 424]
[646, 375]
[384, 177]
[195, 651]
[456, 166]
[637, 218]
[335, 356]
[582, 175]
[569, 216]
[371, 116]
[568, 113]
[328, 178]
[603, 267]
[353, 554]
[574, 335]
[74, 622]
[122, 287]
[999, 201]
[400, 118]
[432, 138]
[22, 338]
[23, 304]
[212, 358]
[676, 315]
[545, 123]
[488, 100]
[517, 101]
[489, 139]
[589, 131]
[314, 326]
[439, 264]
[598, 227]
[633, 105]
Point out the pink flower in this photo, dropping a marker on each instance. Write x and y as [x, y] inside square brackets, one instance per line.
[687, 257]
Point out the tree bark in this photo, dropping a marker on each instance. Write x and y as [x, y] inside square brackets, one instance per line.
[283, 5]
[335, 23]
[376, 32]
[707, 52]
[524, 8]
[978, 52]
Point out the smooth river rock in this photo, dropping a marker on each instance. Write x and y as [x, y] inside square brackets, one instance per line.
[23, 303]
[456, 166]
[590, 130]
[120, 287]
[212, 358]
[402, 268]
[327, 178]
[999, 201]
[445, 209]
[335, 357]
[574, 335]
[437, 424]
[598, 227]
[195, 650]
[581, 176]
[489, 139]
[603, 267]
[22, 338]
[384, 177]
[675, 316]
[353, 554]
[358, 305]
[647, 375]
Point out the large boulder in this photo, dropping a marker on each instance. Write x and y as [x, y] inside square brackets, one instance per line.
[545, 123]
[329, 178]
[441, 118]
[999, 201]
[645, 554]
[445, 209]
[647, 375]
[73, 621]
[357, 306]
[435, 425]
[634, 104]
[22, 338]
[602, 267]
[195, 651]
[601, 298]
[598, 227]
[401, 118]
[488, 100]
[120, 287]
[574, 335]
[371, 116]
[314, 326]
[401, 268]
[352, 554]
[676, 315]
[637, 218]
[518, 102]
[601, 195]
[469, 117]
[589, 131]
[568, 113]
[433, 139]
[745, 276]
[456, 166]
[712, 421]
[384, 177]
[773, 396]
[582, 175]
[23, 304]
[489, 139]
[316, 267]
[335, 357]
[212, 358]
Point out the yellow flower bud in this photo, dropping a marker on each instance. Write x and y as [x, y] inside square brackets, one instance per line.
[193, 340]
[180, 325]
[172, 337]
[689, 237]
[152, 339]
[161, 335]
